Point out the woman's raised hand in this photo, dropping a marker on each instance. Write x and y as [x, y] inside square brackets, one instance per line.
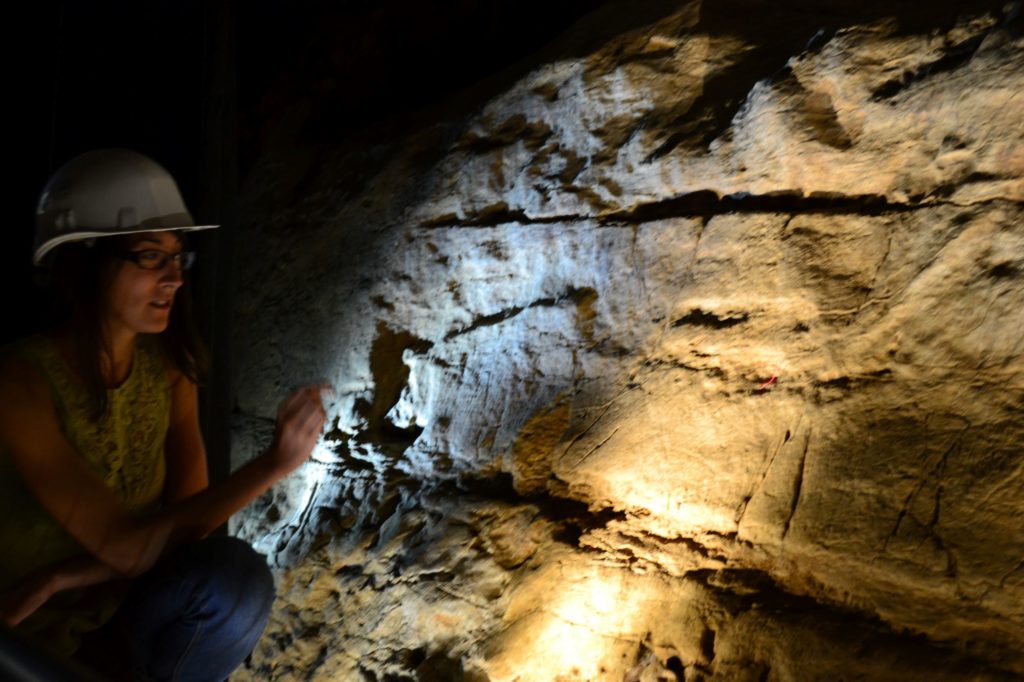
[300, 420]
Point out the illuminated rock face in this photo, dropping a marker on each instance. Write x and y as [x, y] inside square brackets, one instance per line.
[696, 353]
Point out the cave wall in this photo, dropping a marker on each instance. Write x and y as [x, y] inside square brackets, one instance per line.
[688, 348]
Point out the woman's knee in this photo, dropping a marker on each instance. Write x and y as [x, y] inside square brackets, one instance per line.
[232, 568]
[219, 587]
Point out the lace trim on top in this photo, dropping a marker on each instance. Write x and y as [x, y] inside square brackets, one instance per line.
[126, 446]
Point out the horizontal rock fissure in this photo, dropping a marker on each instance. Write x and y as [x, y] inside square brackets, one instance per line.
[711, 371]
[572, 295]
[702, 318]
[707, 204]
[744, 589]
[497, 217]
[690, 544]
[747, 589]
[577, 517]
[752, 587]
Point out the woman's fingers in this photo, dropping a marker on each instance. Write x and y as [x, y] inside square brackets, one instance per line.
[300, 421]
[305, 414]
[309, 412]
[289, 404]
[293, 403]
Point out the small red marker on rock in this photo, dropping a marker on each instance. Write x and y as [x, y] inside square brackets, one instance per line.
[768, 383]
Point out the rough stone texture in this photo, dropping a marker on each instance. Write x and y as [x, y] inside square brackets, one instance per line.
[695, 353]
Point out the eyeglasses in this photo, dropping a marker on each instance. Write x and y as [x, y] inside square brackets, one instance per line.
[154, 259]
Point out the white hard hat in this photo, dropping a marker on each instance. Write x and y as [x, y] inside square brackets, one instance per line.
[108, 192]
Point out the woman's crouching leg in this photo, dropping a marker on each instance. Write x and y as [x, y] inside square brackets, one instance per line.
[198, 615]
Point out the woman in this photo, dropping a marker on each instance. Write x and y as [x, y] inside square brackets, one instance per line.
[104, 501]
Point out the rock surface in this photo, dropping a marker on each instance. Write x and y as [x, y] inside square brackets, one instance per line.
[696, 353]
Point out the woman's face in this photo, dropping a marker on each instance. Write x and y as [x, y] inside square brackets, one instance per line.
[139, 300]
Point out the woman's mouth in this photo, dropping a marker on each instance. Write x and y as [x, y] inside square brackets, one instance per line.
[162, 305]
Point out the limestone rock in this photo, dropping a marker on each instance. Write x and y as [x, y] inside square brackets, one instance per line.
[697, 354]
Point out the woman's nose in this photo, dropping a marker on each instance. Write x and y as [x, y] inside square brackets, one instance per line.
[171, 275]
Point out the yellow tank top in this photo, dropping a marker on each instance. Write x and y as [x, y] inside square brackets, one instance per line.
[125, 448]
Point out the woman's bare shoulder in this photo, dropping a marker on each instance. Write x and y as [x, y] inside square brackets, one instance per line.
[19, 375]
[24, 394]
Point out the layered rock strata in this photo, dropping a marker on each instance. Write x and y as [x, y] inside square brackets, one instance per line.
[695, 353]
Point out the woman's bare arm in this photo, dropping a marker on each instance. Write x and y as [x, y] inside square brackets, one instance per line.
[75, 496]
[185, 453]
[21, 601]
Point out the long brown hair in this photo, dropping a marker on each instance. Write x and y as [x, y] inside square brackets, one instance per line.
[78, 276]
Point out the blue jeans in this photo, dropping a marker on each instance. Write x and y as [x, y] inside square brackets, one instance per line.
[198, 614]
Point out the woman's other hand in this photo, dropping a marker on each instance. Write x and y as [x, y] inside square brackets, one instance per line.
[23, 599]
[300, 420]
